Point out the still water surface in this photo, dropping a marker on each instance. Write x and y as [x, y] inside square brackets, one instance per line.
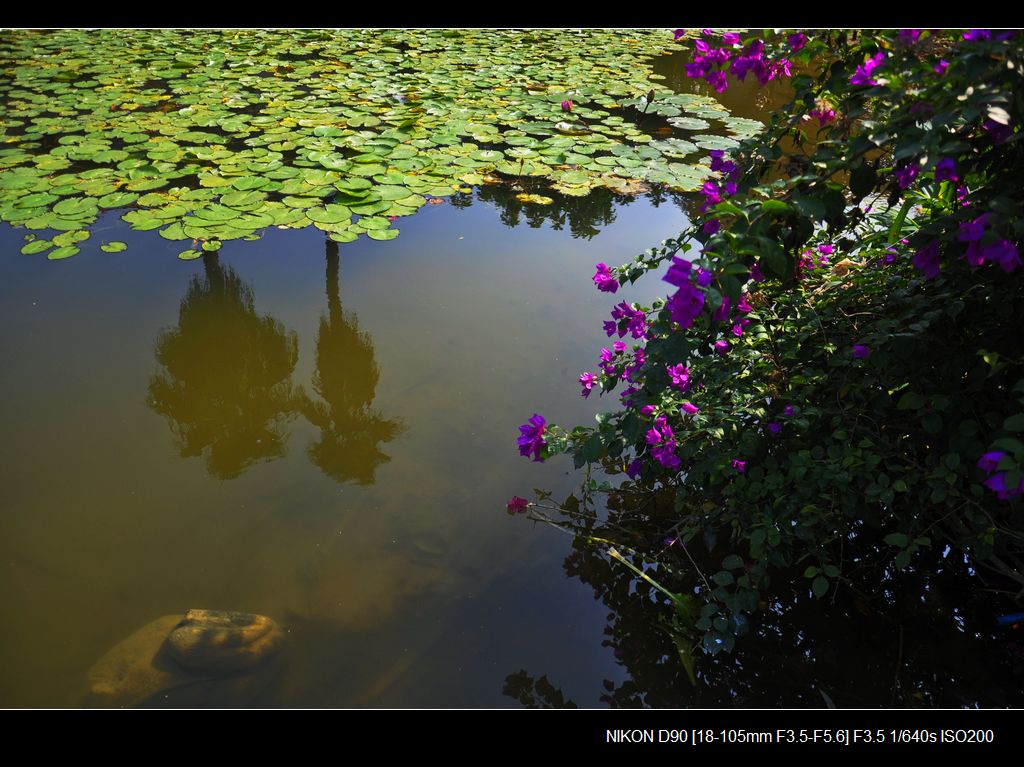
[323, 435]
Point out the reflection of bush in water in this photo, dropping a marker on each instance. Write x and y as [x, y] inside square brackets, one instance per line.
[346, 380]
[920, 639]
[583, 215]
[226, 379]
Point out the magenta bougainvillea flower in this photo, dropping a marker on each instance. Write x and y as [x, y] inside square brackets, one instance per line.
[864, 73]
[926, 260]
[680, 375]
[678, 273]
[587, 381]
[722, 312]
[685, 305]
[797, 40]
[663, 444]
[945, 170]
[531, 439]
[604, 279]
[517, 505]
[740, 466]
[722, 347]
[789, 411]
[990, 461]
[689, 408]
[860, 351]
[941, 67]
[905, 176]
[824, 115]
[997, 131]
[775, 427]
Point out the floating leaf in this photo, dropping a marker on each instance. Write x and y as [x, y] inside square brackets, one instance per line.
[115, 246]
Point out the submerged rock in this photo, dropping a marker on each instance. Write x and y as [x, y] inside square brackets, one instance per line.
[176, 650]
[215, 641]
[136, 668]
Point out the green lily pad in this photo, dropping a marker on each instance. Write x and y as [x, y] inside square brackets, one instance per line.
[117, 200]
[329, 214]
[382, 234]
[61, 253]
[36, 246]
[189, 255]
[115, 246]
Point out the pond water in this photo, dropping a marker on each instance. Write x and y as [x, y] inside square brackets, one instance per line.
[372, 527]
[323, 433]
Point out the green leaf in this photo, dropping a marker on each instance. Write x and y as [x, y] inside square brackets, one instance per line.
[820, 586]
[733, 562]
[910, 401]
[61, 253]
[114, 246]
[1014, 423]
[896, 539]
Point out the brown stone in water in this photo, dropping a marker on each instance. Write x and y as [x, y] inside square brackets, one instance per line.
[223, 642]
[136, 668]
[174, 651]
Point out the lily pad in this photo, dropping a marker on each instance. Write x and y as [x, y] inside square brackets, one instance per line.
[115, 246]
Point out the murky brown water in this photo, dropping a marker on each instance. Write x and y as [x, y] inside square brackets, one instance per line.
[325, 436]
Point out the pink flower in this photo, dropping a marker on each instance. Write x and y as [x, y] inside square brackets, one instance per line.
[517, 505]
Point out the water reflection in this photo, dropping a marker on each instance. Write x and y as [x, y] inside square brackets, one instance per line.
[924, 637]
[584, 216]
[346, 380]
[225, 386]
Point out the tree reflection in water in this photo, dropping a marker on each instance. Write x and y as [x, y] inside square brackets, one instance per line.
[346, 376]
[584, 216]
[924, 637]
[225, 385]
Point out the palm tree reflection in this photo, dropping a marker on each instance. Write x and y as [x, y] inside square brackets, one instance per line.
[346, 381]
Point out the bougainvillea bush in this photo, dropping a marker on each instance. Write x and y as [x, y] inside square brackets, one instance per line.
[834, 380]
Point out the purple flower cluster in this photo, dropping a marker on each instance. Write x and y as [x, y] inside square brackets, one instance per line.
[639, 359]
[997, 481]
[997, 131]
[864, 74]
[905, 175]
[604, 279]
[531, 439]
[823, 114]
[663, 444]
[1001, 251]
[587, 381]
[635, 325]
[926, 260]
[945, 170]
[710, 62]
[680, 375]
[687, 302]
